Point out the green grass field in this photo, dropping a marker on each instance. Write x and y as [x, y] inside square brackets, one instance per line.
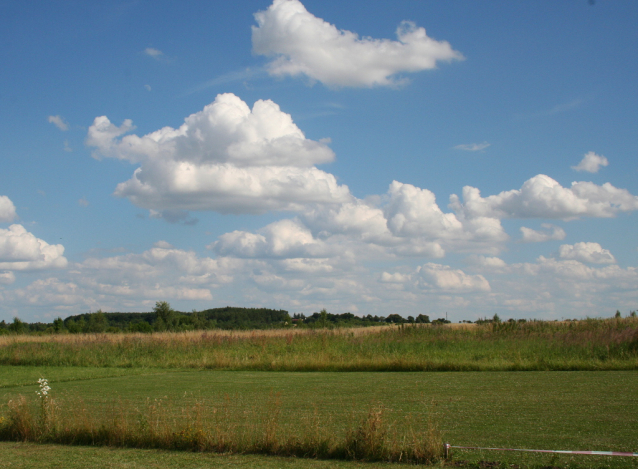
[533, 346]
[29, 455]
[381, 394]
[542, 410]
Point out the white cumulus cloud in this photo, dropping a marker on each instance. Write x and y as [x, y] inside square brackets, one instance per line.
[445, 278]
[21, 250]
[304, 44]
[281, 239]
[7, 278]
[59, 122]
[7, 209]
[543, 197]
[550, 232]
[591, 163]
[226, 158]
[488, 263]
[406, 221]
[586, 252]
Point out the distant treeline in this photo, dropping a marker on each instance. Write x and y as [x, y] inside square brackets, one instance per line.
[164, 318]
[325, 319]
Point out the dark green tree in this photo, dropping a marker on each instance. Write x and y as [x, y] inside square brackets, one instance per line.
[423, 319]
[58, 325]
[18, 326]
[166, 318]
[395, 318]
[97, 322]
[323, 321]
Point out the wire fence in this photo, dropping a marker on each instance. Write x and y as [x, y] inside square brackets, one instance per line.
[596, 453]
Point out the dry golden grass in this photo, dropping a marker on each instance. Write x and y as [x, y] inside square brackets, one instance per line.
[192, 336]
[541, 345]
[221, 427]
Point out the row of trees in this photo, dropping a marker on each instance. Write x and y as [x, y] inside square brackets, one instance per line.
[162, 318]
[326, 319]
[165, 318]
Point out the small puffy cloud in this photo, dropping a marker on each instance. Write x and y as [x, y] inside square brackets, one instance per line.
[550, 232]
[7, 209]
[304, 44]
[357, 219]
[7, 278]
[445, 278]
[226, 158]
[103, 134]
[83, 202]
[591, 163]
[281, 239]
[396, 277]
[155, 53]
[487, 262]
[21, 250]
[411, 211]
[59, 122]
[543, 197]
[472, 146]
[586, 252]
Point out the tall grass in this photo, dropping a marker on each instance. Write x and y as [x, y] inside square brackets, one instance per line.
[592, 344]
[222, 427]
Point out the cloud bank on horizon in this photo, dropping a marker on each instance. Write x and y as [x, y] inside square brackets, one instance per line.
[290, 232]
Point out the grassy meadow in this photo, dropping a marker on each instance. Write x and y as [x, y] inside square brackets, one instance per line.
[531, 346]
[232, 393]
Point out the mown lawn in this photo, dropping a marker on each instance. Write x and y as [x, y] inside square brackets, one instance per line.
[29, 456]
[542, 410]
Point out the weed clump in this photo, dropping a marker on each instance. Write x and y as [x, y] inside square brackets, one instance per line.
[219, 426]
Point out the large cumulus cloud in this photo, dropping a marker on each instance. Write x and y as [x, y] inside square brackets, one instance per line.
[406, 221]
[304, 44]
[226, 158]
[543, 197]
[21, 250]
[7, 209]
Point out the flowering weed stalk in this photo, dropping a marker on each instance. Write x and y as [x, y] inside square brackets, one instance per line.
[26, 424]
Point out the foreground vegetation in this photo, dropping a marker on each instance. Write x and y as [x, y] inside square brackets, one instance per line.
[593, 344]
[165, 391]
[542, 410]
[217, 427]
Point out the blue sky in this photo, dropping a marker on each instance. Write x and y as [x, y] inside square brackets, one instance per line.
[373, 157]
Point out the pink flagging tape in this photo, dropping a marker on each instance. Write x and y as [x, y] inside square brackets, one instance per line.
[597, 453]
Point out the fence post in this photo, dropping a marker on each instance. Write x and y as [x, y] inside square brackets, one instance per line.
[446, 449]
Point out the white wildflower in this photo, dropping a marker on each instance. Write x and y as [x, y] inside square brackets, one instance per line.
[44, 388]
